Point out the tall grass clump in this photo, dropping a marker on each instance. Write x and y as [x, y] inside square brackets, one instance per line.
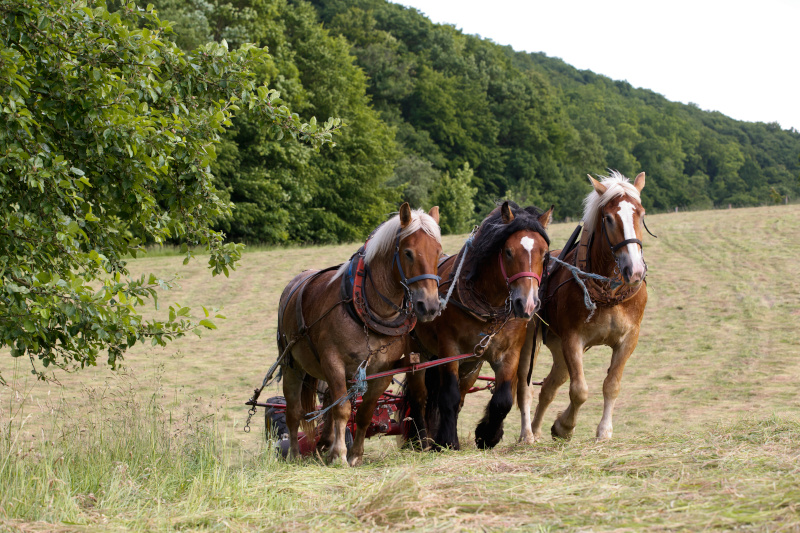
[117, 452]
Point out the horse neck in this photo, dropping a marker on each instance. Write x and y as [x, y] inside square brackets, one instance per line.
[601, 259]
[384, 282]
[492, 286]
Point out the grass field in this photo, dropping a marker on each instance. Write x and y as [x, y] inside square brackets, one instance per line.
[706, 433]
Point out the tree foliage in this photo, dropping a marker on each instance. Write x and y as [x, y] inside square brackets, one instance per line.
[424, 99]
[292, 193]
[532, 126]
[109, 132]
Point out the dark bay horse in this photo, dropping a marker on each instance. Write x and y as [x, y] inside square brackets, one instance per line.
[611, 246]
[495, 296]
[333, 333]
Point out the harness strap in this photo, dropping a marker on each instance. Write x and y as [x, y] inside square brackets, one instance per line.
[615, 247]
[408, 281]
[518, 275]
[302, 329]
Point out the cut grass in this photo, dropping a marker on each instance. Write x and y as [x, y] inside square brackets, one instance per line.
[706, 426]
[127, 466]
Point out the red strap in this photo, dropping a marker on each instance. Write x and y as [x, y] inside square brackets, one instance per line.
[518, 274]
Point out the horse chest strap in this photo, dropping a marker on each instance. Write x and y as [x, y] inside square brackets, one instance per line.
[392, 329]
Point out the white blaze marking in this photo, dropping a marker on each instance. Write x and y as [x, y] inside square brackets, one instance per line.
[528, 243]
[625, 213]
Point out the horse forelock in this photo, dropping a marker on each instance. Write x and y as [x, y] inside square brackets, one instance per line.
[382, 242]
[616, 185]
[493, 233]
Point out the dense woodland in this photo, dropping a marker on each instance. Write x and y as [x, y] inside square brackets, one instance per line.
[438, 117]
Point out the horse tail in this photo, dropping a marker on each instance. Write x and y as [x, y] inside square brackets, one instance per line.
[308, 403]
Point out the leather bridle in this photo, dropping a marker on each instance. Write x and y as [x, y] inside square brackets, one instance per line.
[515, 277]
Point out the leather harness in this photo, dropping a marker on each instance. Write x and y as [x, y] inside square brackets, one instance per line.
[353, 296]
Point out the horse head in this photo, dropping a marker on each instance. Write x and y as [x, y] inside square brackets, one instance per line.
[416, 259]
[620, 218]
[522, 262]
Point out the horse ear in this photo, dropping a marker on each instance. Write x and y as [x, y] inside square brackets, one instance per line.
[434, 213]
[547, 217]
[506, 213]
[639, 182]
[405, 215]
[598, 187]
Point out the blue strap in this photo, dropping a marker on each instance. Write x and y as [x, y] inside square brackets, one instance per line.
[403, 278]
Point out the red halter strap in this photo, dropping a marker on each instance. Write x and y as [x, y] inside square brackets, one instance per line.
[518, 275]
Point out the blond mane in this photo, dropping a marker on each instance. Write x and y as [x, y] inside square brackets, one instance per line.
[616, 185]
[382, 241]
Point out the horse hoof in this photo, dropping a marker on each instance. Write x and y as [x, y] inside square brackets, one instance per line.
[557, 436]
[604, 435]
[356, 461]
[487, 443]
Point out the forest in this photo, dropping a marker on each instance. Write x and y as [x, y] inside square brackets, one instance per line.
[434, 116]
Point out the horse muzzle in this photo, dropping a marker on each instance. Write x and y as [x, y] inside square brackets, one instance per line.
[426, 309]
[634, 274]
[525, 306]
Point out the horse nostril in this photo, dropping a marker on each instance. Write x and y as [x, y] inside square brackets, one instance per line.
[626, 271]
[422, 309]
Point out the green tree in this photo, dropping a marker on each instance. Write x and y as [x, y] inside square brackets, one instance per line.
[455, 198]
[106, 142]
[291, 192]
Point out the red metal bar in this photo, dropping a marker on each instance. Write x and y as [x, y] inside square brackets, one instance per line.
[420, 366]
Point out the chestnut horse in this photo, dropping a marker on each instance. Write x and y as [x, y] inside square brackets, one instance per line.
[327, 340]
[610, 246]
[494, 298]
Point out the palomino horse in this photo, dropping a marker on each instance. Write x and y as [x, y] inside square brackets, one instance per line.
[328, 340]
[611, 246]
[501, 276]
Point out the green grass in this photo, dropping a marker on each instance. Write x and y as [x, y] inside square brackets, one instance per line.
[706, 433]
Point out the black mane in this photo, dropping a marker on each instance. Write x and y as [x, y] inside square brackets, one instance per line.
[492, 234]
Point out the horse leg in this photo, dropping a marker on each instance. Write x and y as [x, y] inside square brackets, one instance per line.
[525, 391]
[364, 417]
[416, 395]
[326, 436]
[292, 389]
[489, 431]
[467, 376]
[339, 415]
[449, 402]
[558, 376]
[565, 422]
[611, 384]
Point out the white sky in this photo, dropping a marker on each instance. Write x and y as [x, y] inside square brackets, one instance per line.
[741, 58]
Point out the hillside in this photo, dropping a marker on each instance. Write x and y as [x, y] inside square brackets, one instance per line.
[438, 117]
[707, 424]
[532, 126]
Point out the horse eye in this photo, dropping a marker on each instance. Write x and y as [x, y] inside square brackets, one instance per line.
[509, 254]
[609, 219]
[409, 254]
